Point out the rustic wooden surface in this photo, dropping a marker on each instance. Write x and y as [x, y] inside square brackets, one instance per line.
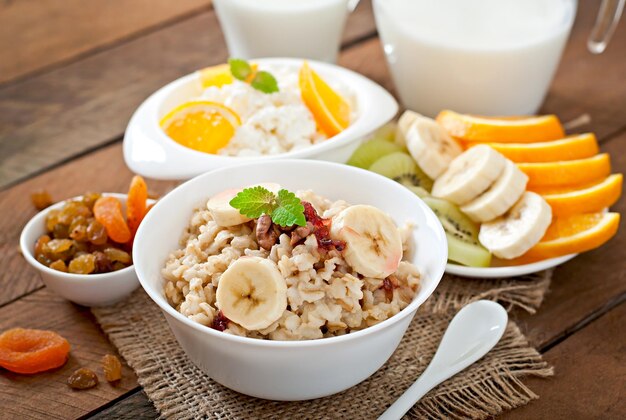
[66, 97]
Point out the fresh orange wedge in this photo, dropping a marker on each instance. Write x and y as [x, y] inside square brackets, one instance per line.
[574, 147]
[501, 129]
[587, 200]
[201, 125]
[568, 172]
[572, 235]
[330, 110]
[219, 76]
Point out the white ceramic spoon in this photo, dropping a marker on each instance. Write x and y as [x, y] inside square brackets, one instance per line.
[474, 331]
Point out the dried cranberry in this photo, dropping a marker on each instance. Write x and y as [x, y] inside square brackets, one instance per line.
[220, 322]
[321, 228]
[389, 284]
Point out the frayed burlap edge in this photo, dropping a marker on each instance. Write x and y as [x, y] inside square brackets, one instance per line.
[525, 292]
[494, 384]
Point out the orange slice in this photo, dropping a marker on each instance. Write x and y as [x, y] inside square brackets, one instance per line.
[574, 147]
[201, 125]
[501, 129]
[572, 235]
[587, 200]
[219, 76]
[569, 172]
[330, 110]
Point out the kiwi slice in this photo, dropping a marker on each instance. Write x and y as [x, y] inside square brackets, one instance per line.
[401, 167]
[462, 234]
[469, 254]
[386, 132]
[418, 191]
[370, 151]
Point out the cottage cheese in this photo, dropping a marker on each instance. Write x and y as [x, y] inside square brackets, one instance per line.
[271, 123]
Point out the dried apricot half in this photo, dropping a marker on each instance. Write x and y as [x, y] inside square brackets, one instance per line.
[136, 203]
[108, 211]
[31, 351]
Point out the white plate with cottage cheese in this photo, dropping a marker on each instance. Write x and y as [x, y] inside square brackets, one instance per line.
[273, 126]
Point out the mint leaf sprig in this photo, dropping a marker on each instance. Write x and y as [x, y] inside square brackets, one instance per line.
[284, 208]
[260, 80]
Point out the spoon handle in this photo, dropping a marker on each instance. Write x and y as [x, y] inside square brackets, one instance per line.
[420, 387]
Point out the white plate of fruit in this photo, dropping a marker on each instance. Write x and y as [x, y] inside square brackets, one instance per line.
[515, 195]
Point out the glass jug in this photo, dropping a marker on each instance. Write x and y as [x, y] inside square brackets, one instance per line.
[487, 57]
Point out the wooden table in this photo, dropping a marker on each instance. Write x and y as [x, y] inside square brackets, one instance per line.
[72, 73]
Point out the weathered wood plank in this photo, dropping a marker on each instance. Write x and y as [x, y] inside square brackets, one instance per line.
[101, 171]
[136, 406]
[47, 395]
[67, 111]
[590, 379]
[35, 35]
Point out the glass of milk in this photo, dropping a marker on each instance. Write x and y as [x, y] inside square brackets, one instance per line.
[283, 28]
[487, 57]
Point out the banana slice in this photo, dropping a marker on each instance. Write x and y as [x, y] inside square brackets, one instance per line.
[404, 123]
[226, 215]
[431, 146]
[519, 229]
[500, 197]
[469, 175]
[252, 293]
[373, 241]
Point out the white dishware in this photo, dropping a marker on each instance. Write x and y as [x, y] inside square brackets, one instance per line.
[488, 57]
[283, 28]
[84, 289]
[472, 333]
[506, 271]
[289, 370]
[148, 151]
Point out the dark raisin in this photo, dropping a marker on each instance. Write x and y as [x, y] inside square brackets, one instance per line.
[103, 264]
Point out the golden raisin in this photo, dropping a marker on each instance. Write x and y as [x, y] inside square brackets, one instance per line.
[73, 209]
[41, 199]
[112, 368]
[61, 231]
[82, 378]
[59, 265]
[52, 219]
[83, 264]
[40, 245]
[115, 254]
[59, 249]
[96, 233]
[90, 198]
[118, 266]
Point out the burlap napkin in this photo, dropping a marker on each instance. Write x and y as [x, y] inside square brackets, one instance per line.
[180, 390]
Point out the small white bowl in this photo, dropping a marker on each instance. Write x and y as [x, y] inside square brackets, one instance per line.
[83, 289]
[148, 151]
[289, 370]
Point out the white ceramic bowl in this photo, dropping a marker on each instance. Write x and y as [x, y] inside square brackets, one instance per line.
[84, 289]
[148, 151]
[289, 370]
